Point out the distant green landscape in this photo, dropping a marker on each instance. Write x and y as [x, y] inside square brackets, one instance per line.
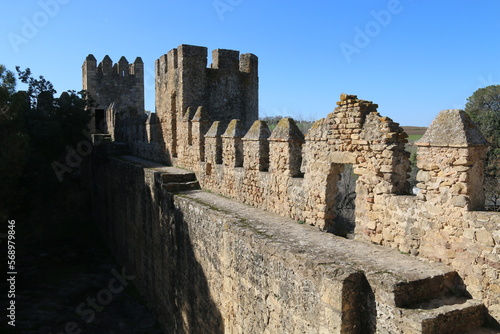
[414, 132]
[414, 137]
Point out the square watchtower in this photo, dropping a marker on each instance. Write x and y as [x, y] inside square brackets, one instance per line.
[121, 83]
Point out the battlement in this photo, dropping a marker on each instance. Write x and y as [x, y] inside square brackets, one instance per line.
[121, 83]
[227, 89]
[106, 66]
[197, 57]
[292, 168]
[207, 121]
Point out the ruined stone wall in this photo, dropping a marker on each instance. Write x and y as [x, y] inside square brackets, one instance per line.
[439, 223]
[284, 172]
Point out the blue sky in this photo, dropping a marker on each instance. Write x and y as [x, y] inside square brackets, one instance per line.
[412, 57]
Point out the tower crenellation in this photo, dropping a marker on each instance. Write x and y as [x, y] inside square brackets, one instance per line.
[120, 84]
[225, 60]
[227, 89]
[105, 66]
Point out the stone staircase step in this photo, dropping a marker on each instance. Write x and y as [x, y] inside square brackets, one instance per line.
[449, 319]
[181, 186]
[178, 177]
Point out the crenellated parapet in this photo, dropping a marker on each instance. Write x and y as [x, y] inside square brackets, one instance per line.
[291, 173]
[227, 88]
[256, 143]
[121, 84]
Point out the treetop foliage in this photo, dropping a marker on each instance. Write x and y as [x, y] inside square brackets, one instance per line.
[7, 85]
[36, 129]
[483, 106]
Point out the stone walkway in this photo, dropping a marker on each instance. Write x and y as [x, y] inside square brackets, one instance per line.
[420, 296]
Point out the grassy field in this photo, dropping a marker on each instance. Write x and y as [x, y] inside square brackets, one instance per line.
[414, 132]
[414, 137]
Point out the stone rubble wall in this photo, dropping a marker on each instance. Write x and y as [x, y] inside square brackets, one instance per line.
[208, 264]
[284, 172]
[439, 223]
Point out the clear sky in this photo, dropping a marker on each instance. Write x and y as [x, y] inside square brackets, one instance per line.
[412, 57]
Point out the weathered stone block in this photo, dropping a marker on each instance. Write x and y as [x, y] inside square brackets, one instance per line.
[485, 238]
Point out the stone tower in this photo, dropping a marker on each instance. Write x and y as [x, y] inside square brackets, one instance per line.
[227, 90]
[121, 84]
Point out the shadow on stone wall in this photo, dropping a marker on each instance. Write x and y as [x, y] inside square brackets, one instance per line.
[195, 307]
[359, 311]
[148, 235]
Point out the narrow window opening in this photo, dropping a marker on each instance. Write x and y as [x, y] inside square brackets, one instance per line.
[412, 179]
[99, 121]
[414, 134]
[173, 125]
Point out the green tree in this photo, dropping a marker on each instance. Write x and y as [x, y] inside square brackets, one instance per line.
[36, 128]
[483, 106]
[14, 142]
[7, 84]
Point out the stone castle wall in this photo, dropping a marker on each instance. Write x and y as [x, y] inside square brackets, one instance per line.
[283, 172]
[440, 223]
[202, 270]
[208, 264]
[296, 176]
